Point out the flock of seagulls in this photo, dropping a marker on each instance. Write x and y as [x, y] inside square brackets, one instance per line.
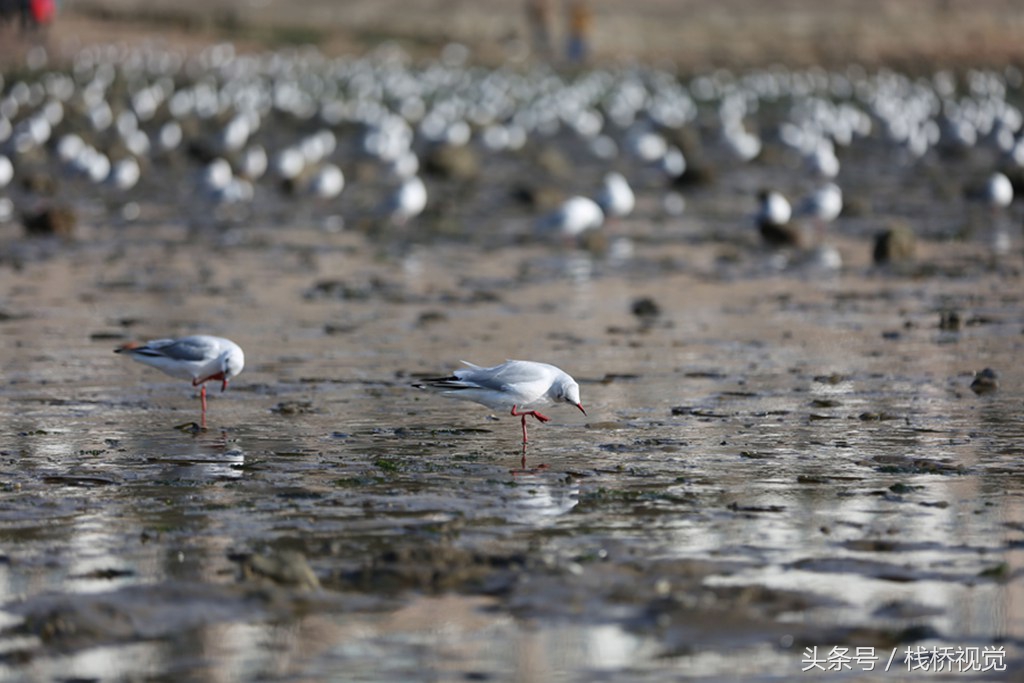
[132, 124]
[292, 124]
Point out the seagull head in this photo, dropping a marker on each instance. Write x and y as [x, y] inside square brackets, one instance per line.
[566, 389]
[231, 363]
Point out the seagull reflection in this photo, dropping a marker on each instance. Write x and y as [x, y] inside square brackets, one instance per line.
[205, 457]
[539, 502]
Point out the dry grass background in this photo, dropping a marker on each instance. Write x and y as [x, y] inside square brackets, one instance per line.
[690, 34]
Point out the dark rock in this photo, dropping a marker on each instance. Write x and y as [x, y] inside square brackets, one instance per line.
[788, 235]
[40, 183]
[293, 408]
[894, 245]
[450, 161]
[56, 220]
[985, 381]
[950, 321]
[645, 308]
[699, 171]
[285, 568]
[429, 317]
[541, 198]
[553, 161]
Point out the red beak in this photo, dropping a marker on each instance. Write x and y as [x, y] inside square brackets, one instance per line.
[224, 384]
[580, 406]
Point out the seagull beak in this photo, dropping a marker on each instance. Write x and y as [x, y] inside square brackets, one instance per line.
[580, 406]
[224, 384]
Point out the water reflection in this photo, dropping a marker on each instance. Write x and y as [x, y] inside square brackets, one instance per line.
[206, 456]
[538, 501]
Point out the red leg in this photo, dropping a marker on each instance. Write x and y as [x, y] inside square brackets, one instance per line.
[534, 413]
[202, 397]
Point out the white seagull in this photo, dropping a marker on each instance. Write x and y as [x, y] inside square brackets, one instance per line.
[616, 198]
[514, 384]
[998, 191]
[408, 201]
[199, 358]
[998, 194]
[575, 216]
[823, 205]
[6, 171]
[773, 216]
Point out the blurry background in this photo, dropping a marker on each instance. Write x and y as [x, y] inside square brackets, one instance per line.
[694, 34]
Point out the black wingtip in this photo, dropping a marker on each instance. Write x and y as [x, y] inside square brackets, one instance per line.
[451, 382]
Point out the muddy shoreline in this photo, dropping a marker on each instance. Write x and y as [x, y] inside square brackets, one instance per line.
[782, 457]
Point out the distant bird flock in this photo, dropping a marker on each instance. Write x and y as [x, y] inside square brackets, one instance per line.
[351, 135]
[516, 152]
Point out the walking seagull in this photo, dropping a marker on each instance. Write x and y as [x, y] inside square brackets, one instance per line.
[519, 385]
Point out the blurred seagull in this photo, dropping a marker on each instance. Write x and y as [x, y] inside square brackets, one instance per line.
[574, 217]
[823, 205]
[327, 182]
[773, 216]
[616, 198]
[999, 195]
[408, 201]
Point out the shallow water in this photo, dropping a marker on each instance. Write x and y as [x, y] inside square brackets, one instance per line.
[782, 460]
[773, 464]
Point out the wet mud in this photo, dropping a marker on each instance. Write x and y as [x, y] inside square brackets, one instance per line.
[774, 458]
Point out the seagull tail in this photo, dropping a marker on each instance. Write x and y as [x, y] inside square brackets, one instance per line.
[130, 346]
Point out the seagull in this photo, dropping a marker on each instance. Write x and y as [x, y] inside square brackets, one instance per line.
[773, 217]
[616, 198]
[998, 191]
[823, 205]
[575, 216]
[998, 194]
[199, 357]
[408, 201]
[327, 182]
[124, 174]
[6, 171]
[515, 383]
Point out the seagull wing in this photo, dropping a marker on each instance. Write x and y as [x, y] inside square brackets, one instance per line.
[186, 349]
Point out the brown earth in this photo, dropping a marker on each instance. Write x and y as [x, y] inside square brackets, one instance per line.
[691, 34]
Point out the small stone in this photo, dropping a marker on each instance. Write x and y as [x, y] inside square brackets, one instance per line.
[985, 381]
[895, 245]
[788, 235]
[40, 183]
[294, 408]
[553, 161]
[57, 220]
[285, 568]
[429, 317]
[950, 321]
[645, 308]
[539, 197]
[453, 161]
